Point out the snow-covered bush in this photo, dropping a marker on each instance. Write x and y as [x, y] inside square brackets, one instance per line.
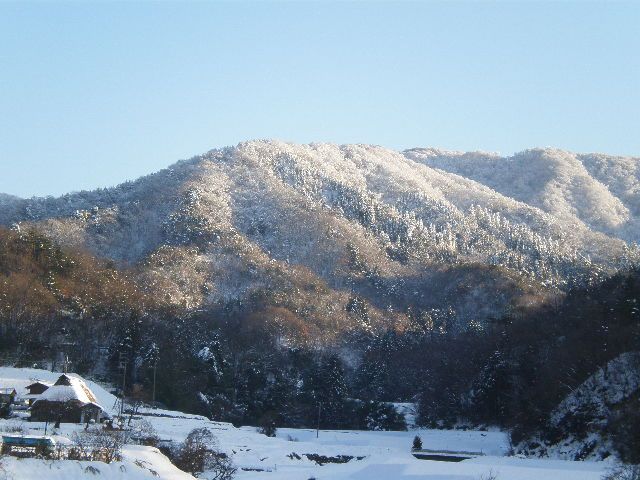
[13, 427]
[143, 432]
[200, 452]
[490, 475]
[623, 472]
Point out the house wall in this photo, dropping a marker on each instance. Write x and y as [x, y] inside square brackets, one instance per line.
[67, 412]
[90, 413]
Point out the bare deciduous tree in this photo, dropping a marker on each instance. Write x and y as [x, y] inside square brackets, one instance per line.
[98, 444]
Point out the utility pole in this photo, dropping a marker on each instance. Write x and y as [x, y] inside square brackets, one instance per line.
[124, 378]
[153, 395]
[123, 367]
[319, 411]
[154, 355]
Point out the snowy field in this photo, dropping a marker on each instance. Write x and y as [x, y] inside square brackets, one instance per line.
[375, 455]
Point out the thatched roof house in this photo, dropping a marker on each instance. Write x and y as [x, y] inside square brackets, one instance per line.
[69, 400]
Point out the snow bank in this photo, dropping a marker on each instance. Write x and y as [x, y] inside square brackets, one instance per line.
[138, 463]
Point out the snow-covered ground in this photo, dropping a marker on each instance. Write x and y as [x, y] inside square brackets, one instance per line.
[138, 463]
[376, 455]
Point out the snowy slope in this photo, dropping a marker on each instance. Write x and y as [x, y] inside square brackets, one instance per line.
[582, 420]
[405, 467]
[608, 386]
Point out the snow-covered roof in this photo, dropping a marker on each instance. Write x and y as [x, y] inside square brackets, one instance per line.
[69, 388]
[7, 390]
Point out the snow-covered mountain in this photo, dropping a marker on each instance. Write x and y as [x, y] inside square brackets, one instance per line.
[423, 227]
[600, 191]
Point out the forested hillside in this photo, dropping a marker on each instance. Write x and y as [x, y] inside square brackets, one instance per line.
[565, 374]
[238, 362]
[50, 294]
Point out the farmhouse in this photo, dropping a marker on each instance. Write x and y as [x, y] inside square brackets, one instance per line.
[69, 400]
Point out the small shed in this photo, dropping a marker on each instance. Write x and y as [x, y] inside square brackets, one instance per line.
[7, 395]
[35, 389]
[26, 445]
[38, 387]
[69, 400]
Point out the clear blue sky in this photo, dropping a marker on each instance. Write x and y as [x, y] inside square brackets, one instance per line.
[94, 94]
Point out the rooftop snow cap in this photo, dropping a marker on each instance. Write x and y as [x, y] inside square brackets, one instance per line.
[69, 388]
[39, 382]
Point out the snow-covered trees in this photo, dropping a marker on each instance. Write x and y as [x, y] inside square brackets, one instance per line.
[212, 228]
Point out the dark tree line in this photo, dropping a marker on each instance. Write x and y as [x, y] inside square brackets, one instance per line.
[209, 366]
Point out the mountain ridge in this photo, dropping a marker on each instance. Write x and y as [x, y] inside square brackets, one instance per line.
[364, 219]
[596, 178]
